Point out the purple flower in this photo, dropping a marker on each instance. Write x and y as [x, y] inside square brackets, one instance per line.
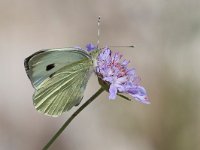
[90, 47]
[114, 72]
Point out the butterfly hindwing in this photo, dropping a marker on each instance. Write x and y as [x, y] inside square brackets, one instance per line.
[63, 90]
[64, 86]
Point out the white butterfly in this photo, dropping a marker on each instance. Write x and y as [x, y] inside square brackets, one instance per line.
[59, 77]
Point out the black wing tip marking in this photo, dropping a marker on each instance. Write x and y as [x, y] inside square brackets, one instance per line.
[26, 61]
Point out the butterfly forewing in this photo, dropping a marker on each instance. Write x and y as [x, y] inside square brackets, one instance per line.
[64, 86]
[43, 63]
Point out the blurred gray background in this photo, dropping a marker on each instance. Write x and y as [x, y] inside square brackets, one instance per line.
[166, 35]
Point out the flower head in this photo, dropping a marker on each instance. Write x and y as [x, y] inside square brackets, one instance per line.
[90, 47]
[114, 72]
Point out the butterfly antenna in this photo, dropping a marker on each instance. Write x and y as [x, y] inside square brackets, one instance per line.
[128, 46]
[98, 31]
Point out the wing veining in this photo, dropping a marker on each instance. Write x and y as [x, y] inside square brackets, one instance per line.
[64, 90]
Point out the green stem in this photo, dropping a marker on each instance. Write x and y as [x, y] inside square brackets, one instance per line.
[72, 117]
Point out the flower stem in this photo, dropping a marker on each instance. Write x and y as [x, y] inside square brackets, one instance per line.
[72, 117]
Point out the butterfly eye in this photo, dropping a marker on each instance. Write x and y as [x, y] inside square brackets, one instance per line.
[49, 67]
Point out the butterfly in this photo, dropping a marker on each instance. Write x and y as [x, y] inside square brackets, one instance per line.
[59, 77]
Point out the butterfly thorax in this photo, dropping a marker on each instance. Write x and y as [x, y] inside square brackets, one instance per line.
[94, 54]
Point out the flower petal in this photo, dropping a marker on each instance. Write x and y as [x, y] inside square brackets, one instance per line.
[109, 79]
[139, 93]
[113, 92]
[90, 47]
[125, 62]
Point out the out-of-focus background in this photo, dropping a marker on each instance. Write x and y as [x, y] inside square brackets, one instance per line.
[166, 35]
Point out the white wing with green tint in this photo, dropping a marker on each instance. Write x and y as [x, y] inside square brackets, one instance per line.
[59, 77]
[42, 64]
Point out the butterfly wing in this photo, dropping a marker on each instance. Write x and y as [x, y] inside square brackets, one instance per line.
[59, 77]
[42, 64]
